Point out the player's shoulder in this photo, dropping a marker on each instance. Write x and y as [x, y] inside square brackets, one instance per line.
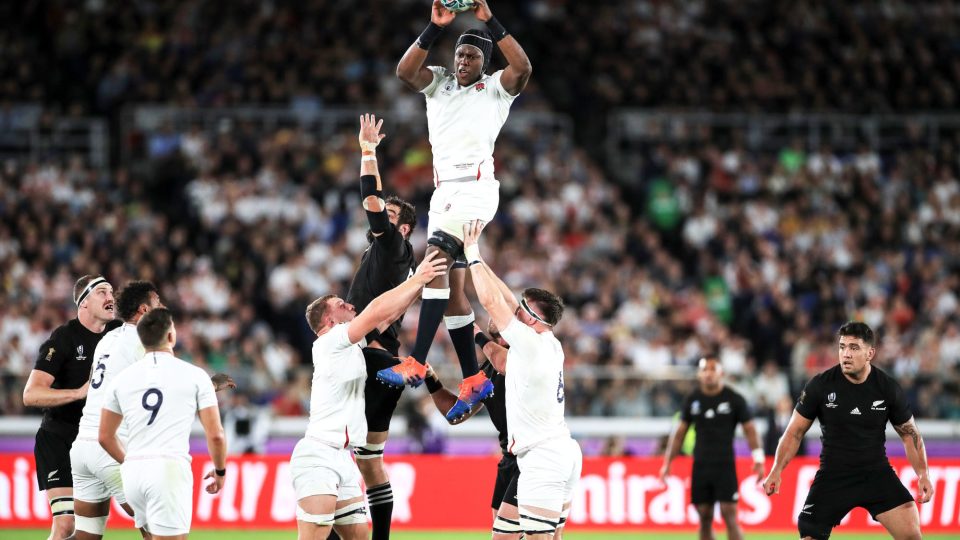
[732, 393]
[882, 378]
[827, 376]
[67, 330]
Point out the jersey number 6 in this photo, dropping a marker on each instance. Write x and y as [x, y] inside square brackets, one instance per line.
[155, 408]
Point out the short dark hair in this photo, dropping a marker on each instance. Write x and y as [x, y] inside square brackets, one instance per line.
[548, 305]
[133, 295]
[710, 355]
[858, 329]
[316, 310]
[407, 215]
[153, 327]
[81, 284]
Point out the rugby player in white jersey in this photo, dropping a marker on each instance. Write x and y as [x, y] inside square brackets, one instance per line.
[96, 476]
[548, 458]
[158, 397]
[465, 110]
[326, 480]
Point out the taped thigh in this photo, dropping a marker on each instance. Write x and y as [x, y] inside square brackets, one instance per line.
[369, 451]
[503, 525]
[533, 523]
[61, 506]
[324, 520]
[92, 525]
[351, 514]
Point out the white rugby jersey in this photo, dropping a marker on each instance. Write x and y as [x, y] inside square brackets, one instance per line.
[464, 123]
[159, 397]
[117, 351]
[533, 387]
[336, 399]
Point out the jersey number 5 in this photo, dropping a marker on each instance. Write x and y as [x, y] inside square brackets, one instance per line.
[155, 408]
[101, 370]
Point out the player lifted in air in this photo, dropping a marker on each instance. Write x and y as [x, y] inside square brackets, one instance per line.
[465, 110]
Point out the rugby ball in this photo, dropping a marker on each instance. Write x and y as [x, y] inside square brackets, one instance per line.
[458, 6]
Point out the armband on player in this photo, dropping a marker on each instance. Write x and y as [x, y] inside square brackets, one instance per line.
[429, 35]
[481, 339]
[758, 455]
[496, 29]
[472, 253]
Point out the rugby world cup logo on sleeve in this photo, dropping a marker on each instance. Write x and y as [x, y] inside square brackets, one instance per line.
[80, 356]
[480, 86]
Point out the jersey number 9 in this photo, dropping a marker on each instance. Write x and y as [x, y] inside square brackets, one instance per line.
[155, 408]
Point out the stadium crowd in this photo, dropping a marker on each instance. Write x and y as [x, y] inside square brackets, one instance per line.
[760, 255]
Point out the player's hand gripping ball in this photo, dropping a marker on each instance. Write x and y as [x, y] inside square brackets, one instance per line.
[458, 6]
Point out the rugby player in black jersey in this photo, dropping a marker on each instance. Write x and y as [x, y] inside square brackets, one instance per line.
[854, 401]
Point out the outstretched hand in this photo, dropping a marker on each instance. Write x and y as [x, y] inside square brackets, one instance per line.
[430, 268]
[440, 15]
[471, 233]
[370, 135]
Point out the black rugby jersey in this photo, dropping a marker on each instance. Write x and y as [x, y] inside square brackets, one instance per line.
[68, 356]
[496, 404]
[715, 419]
[853, 417]
[387, 263]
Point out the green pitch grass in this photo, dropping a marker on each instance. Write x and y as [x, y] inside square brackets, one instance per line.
[32, 534]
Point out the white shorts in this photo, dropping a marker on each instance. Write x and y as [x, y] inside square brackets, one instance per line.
[455, 204]
[549, 473]
[160, 491]
[320, 469]
[96, 475]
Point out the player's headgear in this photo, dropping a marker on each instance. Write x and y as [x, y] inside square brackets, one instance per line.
[84, 286]
[480, 39]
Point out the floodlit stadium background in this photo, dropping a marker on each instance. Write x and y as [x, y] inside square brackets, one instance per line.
[689, 175]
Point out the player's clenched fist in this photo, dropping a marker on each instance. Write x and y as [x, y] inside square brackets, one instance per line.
[771, 484]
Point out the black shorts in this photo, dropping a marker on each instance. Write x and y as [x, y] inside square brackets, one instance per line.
[835, 493]
[381, 400]
[52, 454]
[713, 483]
[505, 489]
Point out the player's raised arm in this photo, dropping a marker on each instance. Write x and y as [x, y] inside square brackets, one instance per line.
[390, 305]
[371, 188]
[496, 353]
[519, 68]
[411, 70]
[917, 455]
[786, 450]
[483, 281]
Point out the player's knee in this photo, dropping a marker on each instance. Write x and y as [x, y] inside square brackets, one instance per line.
[447, 243]
[810, 529]
[91, 525]
[351, 514]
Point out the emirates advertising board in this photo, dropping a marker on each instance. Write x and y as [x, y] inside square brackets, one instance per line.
[613, 494]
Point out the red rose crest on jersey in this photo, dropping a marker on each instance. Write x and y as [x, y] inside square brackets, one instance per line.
[479, 87]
